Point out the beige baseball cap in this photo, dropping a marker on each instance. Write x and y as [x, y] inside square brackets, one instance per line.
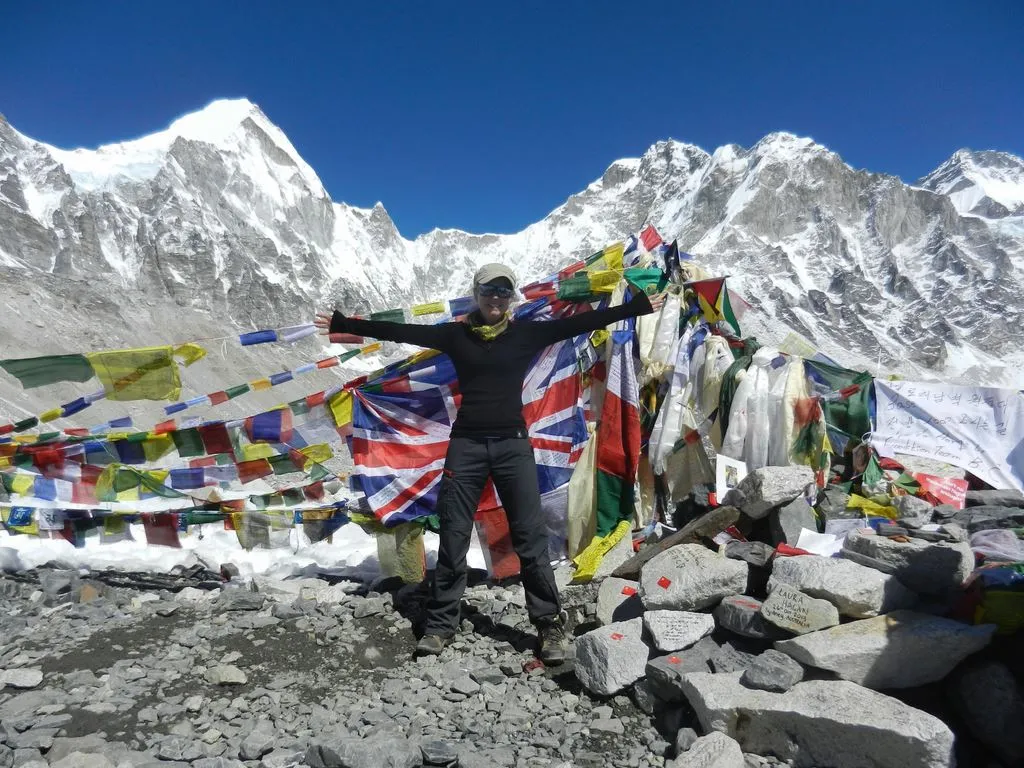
[489, 272]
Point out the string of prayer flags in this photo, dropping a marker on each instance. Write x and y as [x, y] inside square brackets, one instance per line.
[266, 382]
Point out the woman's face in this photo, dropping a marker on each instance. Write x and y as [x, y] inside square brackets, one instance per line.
[493, 299]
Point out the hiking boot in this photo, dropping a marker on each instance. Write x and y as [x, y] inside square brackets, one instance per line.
[430, 645]
[554, 642]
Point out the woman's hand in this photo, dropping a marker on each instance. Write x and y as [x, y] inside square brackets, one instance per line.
[323, 322]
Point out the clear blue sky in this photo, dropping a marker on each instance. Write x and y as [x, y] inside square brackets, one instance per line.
[485, 115]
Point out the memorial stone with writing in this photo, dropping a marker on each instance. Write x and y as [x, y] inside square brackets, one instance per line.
[792, 610]
[674, 630]
[856, 590]
[742, 615]
[612, 657]
[689, 577]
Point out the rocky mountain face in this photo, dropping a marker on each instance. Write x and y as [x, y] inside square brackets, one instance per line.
[216, 225]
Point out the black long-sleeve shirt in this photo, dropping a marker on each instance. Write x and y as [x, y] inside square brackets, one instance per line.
[491, 373]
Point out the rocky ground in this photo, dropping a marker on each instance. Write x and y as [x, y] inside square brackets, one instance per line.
[778, 657]
[299, 673]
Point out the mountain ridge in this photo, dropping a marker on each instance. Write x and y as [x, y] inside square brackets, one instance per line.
[217, 224]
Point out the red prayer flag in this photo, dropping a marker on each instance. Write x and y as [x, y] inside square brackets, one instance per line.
[215, 438]
[650, 237]
[344, 338]
[253, 470]
[216, 398]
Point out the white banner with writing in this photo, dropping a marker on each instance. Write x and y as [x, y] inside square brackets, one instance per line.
[980, 429]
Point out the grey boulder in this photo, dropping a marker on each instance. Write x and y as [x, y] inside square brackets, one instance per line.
[611, 658]
[927, 568]
[856, 590]
[716, 750]
[903, 649]
[689, 577]
[768, 487]
[821, 723]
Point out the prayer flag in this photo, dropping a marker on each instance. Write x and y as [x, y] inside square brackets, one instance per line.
[618, 438]
[253, 470]
[40, 371]
[389, 316]
[432, 308]
[188, 442]
[50, 415]
[216, 398]
[650, 238]
[235, 391]
[272, 426]
[257, 337]
[215, 438]
[147, 373]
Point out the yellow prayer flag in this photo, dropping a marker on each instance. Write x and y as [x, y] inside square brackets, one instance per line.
[613, 256]
[50, 415]
[341, 408]
[22, 485]
[189, 353]
[147, 373]
[432, 308]
[604, 281]
[260, 384]
[370, 348]
[255, 451]
[157, 447]
[319, 452]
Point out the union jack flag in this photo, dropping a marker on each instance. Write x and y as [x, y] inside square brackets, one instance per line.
[402, 419]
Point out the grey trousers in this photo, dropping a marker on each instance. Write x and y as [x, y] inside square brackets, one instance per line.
[468, 464]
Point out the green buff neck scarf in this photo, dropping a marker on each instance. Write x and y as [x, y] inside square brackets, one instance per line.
[489, 332]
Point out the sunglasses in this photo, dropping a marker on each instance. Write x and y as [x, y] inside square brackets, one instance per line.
[491, 291]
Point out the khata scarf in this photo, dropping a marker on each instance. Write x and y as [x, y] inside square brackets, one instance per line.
[488, 332]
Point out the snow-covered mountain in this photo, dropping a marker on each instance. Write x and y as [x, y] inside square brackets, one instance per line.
[217, 225]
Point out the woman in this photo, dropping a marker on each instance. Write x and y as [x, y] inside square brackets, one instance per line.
[491, 354]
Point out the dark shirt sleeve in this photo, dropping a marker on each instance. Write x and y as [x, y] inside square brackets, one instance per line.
[546, 332]
[430, 336]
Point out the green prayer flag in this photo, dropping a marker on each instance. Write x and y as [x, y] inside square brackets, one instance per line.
[235, 391]
[389, 316]
[574, 288]
[188, 442]
[349, 355]
[299, 407]
[650, 279]
[202, 518]
[29, 423]
[282, 464]
[851, 413]
[39, 371]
